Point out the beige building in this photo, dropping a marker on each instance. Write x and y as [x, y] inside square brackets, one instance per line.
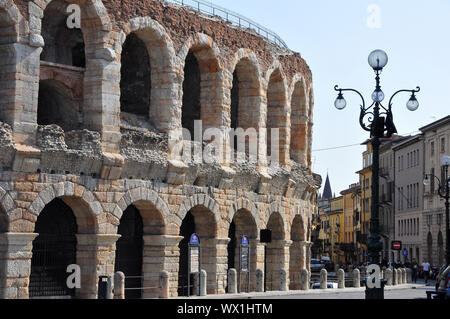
[437, 144]
[91, 139]
[409, 186]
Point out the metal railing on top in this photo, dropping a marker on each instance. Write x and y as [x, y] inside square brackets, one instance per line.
[231, 17]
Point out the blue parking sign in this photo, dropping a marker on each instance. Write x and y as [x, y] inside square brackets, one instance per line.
[405, 252]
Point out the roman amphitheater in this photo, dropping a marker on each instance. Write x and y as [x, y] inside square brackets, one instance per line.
[87, 172]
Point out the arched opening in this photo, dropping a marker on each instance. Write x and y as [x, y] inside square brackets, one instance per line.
[275, 252]
[199, 220]
[245, 99]
[243, 224]
[53, 250]
[299, 119]
[58, 105]
[129, 252]
[140, 251]
[63, 45]
[191, 110]
[276, 119]
[297, 253]
[135, 81]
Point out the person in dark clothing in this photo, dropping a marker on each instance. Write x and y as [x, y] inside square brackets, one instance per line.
[415, 270]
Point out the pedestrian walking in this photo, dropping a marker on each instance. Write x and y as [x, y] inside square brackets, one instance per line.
[426, 271]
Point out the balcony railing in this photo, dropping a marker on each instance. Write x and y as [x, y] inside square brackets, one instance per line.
[233, 18]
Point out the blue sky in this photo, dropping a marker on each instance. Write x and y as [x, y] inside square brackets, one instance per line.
[335, 40]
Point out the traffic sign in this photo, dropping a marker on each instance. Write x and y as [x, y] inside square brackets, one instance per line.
[397, 245]
[405, 252]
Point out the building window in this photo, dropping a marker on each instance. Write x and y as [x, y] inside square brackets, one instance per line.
[443, 145]
[432, 149]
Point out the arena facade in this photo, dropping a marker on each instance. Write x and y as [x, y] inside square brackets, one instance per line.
[88, 174]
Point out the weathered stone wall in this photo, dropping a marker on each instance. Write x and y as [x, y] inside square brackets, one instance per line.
[100, 161]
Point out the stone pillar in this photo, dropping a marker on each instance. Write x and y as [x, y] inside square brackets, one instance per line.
[232, 281]
[119, 285]
[408, 275]
[256, 261]
[341, 278]
[305, 279]
[323, 279]
[388, 277]
[283, 280]
[404, 275]
[400, 276]
[164, 284]
[356, 278]
[96, 255]
[277, 259]
[297, 262]
[259, 281]
[395, 277]
[215, 262]
[160, 252]
[19, 87]
[203, 282]
[15, 264]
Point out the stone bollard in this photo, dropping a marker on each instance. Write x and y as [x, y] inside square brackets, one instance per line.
[405, 278]
[259, 280]
[283, 280]
[356, 278]
[232, 281]
[323, 279]
[400, 276]
[408, 275]
[395, 277]
[305, 280]
[164, 284]
[203, 282]
[341, 278]
[119, 285]
[388, 276]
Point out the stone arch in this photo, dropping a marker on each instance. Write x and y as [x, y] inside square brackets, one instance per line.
[197, 200]
[297, 251]
[246, 76]
[277, 257]
[246, 204]
[299, 121]
[202, 50]
[163, 69]
[83, 203]
[153, 209]
[11, 22]
[199, 214]
[278, 114]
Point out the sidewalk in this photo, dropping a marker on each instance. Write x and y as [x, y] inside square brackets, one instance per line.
[418, 285]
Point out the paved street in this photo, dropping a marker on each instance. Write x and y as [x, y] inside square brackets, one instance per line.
[407, 291]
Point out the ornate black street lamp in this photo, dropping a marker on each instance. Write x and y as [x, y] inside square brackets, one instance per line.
[443, 191]
[377, 120]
